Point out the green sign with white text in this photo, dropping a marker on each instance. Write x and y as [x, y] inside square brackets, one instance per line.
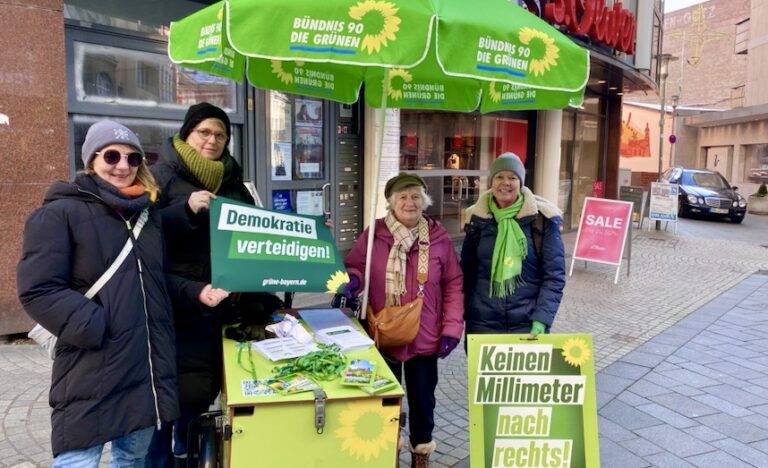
[254, 249]
[532, 403]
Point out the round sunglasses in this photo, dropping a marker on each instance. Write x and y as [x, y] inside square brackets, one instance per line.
[113, 157]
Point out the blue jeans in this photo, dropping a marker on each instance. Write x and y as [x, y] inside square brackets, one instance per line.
[420, 384]
[128, 451]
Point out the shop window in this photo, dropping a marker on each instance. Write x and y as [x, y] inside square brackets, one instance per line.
[126, 77]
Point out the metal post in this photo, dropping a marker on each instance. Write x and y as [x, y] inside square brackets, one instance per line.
[664, 60]
[675, 100]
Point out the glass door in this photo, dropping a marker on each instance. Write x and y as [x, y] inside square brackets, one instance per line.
[299, 133]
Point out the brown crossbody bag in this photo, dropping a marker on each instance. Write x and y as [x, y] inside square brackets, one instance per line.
[395, 326]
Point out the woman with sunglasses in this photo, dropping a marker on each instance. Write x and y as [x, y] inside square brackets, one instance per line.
[114, 373]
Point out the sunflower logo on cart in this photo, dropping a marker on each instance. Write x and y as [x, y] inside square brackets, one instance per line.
[576, 352]
[337, 282]
[376, 16]
[363, 430]
[286, 76]
[399, 76]
[543, 46]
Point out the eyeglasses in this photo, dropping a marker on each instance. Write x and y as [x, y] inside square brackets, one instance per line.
[206, 134]
[113, 157]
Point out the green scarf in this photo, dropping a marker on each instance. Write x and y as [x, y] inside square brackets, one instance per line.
[510, 249]
[207, 172]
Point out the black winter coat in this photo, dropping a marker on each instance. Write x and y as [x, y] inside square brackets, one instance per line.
[198, 328]
[543, 276]
[115, 369]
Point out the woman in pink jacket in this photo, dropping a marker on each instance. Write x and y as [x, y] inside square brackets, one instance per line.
[394, 264]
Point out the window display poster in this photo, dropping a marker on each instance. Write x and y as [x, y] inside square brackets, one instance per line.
[281, 201]
[308, 154]
[253, 250]
[532, 403]
[309, 202]
[281, 160]
[511, 136]
[663, 205]
[602, 230]
[280, 117]
[309, 112]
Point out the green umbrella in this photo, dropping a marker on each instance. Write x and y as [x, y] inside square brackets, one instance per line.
[430, 54]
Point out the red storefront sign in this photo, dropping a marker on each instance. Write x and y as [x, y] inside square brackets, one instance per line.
[602, 230]
[614, 27]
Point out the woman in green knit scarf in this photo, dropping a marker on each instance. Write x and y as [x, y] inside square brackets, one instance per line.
[510, 286]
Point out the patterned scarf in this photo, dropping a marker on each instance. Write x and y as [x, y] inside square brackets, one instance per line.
[207, 172]
[510, 249]
[396, 262]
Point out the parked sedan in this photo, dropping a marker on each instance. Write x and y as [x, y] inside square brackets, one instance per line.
[706, 193]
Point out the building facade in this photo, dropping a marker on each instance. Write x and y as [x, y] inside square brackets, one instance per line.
[74, 62]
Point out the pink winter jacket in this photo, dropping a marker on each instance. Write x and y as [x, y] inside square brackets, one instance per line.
[443, 310]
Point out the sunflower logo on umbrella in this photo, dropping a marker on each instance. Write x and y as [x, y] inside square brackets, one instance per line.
[493, 93]
[550, 52]
[363, 430]
[285, 76]
[376, 16]
[576, 352]
[401, 76]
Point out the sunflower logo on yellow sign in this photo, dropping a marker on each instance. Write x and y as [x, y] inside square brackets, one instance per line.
[363, 430]
[337, 282]
[538, 66]
[576, 352]
[285, 76]
[397, 74]
[376, 16]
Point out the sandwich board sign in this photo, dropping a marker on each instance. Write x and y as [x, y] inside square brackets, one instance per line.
[663, 204]
[602, 232]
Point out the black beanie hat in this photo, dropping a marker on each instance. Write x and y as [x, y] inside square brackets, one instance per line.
[200, 112]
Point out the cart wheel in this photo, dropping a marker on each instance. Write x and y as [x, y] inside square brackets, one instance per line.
[209, 444]
[203, 442]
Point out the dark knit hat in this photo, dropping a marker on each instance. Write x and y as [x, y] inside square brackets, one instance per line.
[509, 162]
[104, 133]
[402, 181]
[200, 112]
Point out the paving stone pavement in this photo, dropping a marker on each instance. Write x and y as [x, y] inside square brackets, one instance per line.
[680, 346]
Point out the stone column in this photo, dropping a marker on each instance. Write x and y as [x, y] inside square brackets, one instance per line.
[548, 143]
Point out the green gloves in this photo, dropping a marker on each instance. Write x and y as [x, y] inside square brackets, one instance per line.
[537, 328]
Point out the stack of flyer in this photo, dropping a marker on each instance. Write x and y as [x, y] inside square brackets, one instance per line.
[347, 337]
[277, 349]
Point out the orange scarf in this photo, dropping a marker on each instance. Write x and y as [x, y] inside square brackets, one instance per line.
[136, 190]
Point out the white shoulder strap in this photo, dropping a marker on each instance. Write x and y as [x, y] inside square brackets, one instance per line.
[120, 258]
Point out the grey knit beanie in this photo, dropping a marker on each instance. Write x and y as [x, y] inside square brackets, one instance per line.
[104, 133]
[509, 162]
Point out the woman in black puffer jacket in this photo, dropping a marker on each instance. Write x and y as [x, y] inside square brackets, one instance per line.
[114, 373]
[195, 167]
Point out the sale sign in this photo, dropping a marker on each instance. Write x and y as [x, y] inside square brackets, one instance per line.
[602, 230]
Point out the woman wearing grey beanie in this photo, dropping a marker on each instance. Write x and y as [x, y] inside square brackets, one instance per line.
[114, 373]
[513, 256]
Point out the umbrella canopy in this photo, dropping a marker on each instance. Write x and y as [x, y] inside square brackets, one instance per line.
[437, 55]
[421, 54]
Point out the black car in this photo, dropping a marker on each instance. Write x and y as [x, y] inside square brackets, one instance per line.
[706, 193]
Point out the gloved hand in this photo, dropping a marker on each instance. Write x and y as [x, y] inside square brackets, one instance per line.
[447, 343]
[537, 328]
[351, 289]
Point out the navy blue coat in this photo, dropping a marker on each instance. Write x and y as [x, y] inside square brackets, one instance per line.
[115, 370]
[543, 276]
